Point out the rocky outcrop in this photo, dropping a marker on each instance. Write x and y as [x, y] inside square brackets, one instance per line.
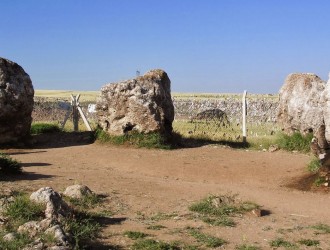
[142, 104]
[16, 102]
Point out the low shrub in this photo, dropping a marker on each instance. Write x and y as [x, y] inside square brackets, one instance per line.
[218, 210]
[296, 141]
[134, 235]
[9, 165]
[42, 128]
[314, 165]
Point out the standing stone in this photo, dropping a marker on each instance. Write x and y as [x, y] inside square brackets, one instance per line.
[143, 104]
[326, 109]
[301, 103]
[16, 102]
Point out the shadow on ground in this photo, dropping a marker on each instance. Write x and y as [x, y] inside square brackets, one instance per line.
[61, 139]
[31, 176]
[200, 142]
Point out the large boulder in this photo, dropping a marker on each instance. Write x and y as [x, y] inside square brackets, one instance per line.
[301, 103]
[143, 104]
[326, 109]
[16, 102]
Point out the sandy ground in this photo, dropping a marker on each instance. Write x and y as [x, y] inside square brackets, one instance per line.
[148, 187]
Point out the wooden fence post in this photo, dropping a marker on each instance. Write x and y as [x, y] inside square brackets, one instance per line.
[244, 115]
[75, 114]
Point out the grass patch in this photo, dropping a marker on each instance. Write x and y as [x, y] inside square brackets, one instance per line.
[42, 128]
[319, 181]
[9, 165]
[223, 221]
[134, 235]
[82, 228]
[322, 228]
[314, 165]
[149, 244]
[156, 227]
[208, 240]
[86, 202]
[151, 140]
[296, 141]
[282, 243]
[20, 241]
[309, 242]
[163, 216]
[22, 210]
[247, 247]
[216, 210]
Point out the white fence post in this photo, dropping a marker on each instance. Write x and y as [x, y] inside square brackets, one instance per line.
[244, 115]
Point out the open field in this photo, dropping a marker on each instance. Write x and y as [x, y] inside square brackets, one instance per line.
[150, 191]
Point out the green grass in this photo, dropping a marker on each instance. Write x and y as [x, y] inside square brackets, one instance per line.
[279, 242]
[86, 202]
[247, 247]
[20, 241]
[149, 244]
[83, 229]
[22, 210]
[314, 165]
[134, 235]
[207, 240]
[217, 210]
[309, 242]
[319, 181]
[42, 128]
[222, 221]
[156, 227]
[322, 228]
[296, 141]
[9, 165]
[152, 140]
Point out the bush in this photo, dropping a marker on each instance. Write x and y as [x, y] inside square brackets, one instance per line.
[296, 141]
[9, 165]
[42, 128]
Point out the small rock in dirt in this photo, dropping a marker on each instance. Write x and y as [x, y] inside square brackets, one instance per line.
[273, 148]
[9, 237]
[32, 228]
[256, 212]
[77, 191]
[55, 206]
[58, 234]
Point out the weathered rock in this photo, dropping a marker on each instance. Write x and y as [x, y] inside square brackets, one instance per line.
[143, 104]
[326, 109]
[58, 234]
[16, 102]
[77, 191]
[32, 228]
[55, 206]
[9, 237]
[301, 106]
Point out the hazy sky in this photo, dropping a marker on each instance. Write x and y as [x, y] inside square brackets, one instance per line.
[203, 45]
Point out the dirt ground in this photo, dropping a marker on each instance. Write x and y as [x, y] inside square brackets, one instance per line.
[155, 187]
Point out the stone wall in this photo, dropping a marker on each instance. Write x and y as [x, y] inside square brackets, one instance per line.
[260, 108]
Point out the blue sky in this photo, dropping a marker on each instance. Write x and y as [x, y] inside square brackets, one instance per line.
[215, 46]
